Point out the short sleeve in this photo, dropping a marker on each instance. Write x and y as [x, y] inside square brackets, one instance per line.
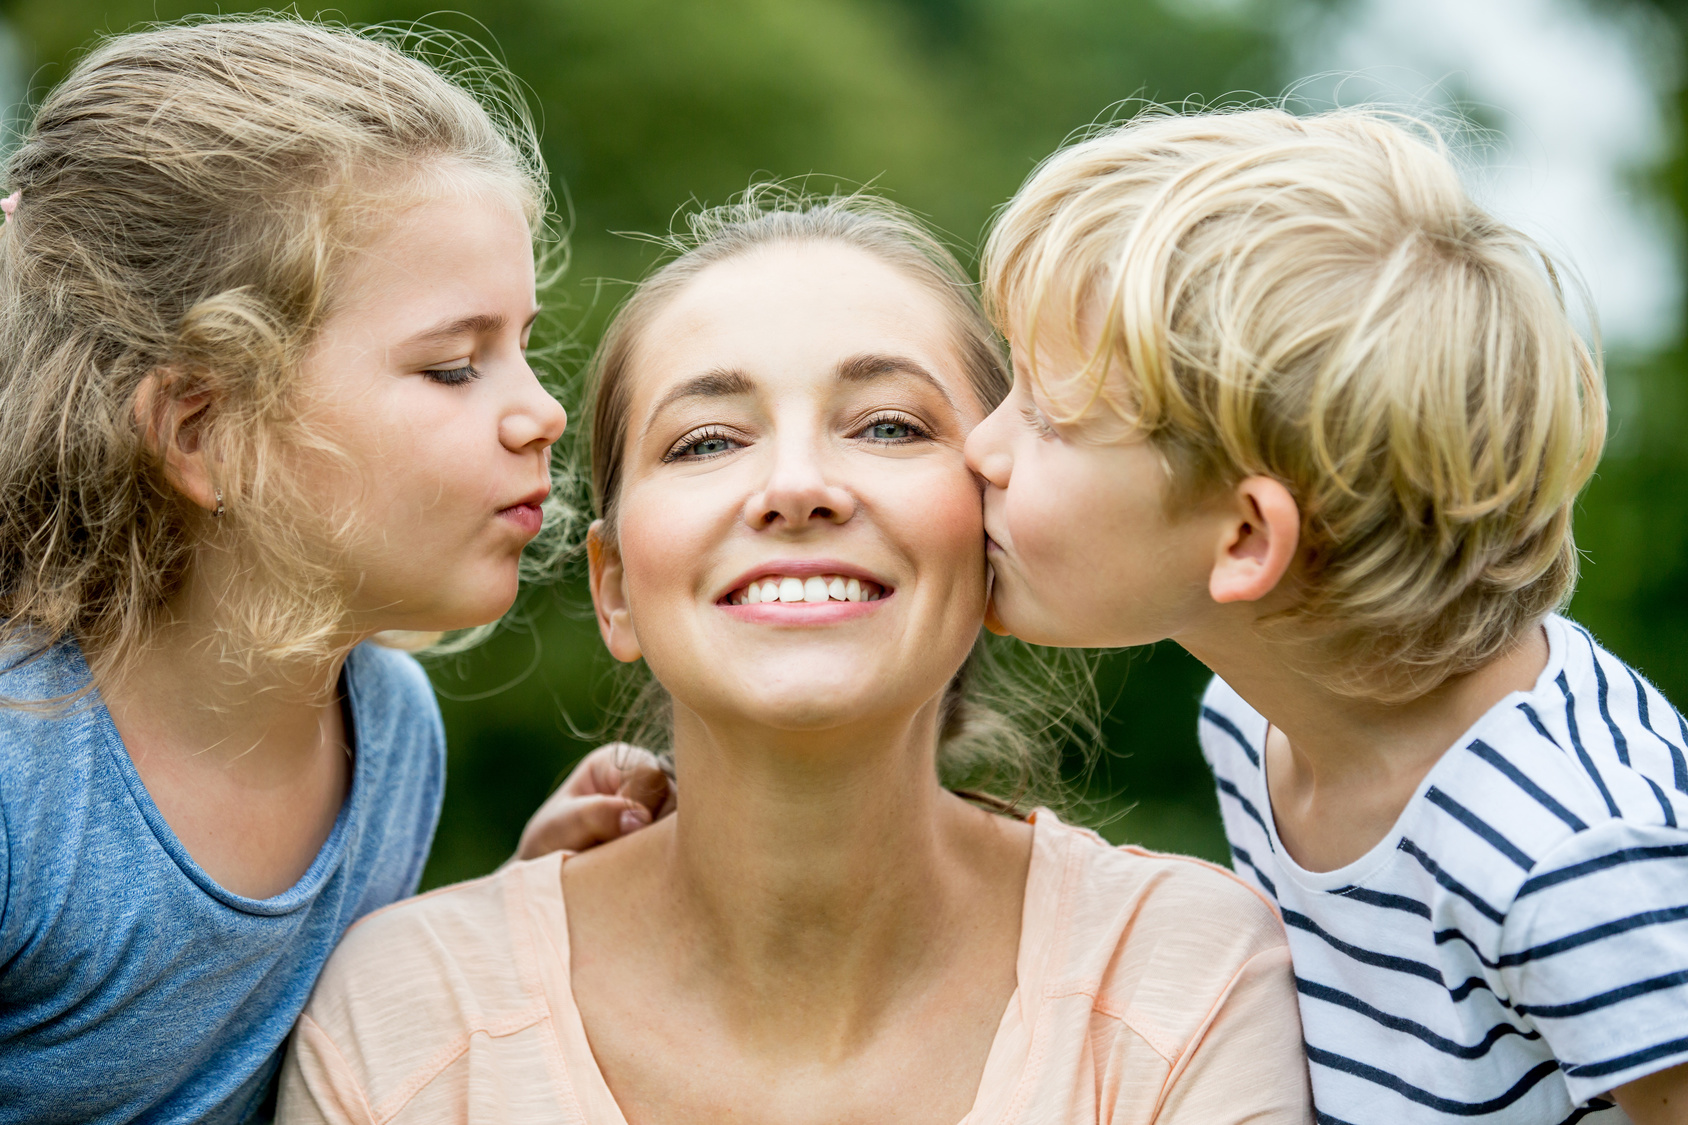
[317, 1087]
[1247, 1064]
[1594, 952]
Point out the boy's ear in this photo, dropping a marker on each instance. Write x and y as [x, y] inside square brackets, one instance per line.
[609, 595]
[1261, 532]
[172, 425]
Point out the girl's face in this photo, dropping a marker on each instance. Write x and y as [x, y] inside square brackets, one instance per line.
[799, 541]
[420, 378]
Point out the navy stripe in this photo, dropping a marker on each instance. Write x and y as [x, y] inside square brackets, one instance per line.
[1231, 729]
[1678, 764]
[1320, 1117]
[1471, 984]
[1541, 729]
[1599, 863]
[1364, 956]
[1449, 882]
[1472, 821]
[1603, 690]
[1387, 901]
[1513, 774]
[1624, 1062]
[1454, 934]
[1576, 743]
[1230, 789]
[1238, 855]
[1416, 1030]
[1595, 1105]
[1569, 941]
[1604, 999]
[1593, 934]
[1424, 1097]
[1664, 802]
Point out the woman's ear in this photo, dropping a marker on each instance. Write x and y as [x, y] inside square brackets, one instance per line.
[609, 595]
[1262, 527]
[173, 427]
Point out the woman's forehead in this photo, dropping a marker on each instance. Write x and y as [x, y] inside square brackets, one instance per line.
[793, 309]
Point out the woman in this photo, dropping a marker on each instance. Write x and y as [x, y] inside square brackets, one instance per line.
[790, 540]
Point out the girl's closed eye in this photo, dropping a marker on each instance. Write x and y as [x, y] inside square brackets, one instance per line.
[893, 429]
[452, 376]
[700, 445]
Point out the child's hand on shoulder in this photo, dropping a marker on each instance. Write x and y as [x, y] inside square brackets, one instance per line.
[614, 791]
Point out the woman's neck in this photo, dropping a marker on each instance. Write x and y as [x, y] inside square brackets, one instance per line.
[815, 880]
[795, 848]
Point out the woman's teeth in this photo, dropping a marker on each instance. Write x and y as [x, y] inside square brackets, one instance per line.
[820, 588]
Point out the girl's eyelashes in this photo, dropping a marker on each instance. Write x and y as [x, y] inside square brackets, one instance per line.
[452, 376]
[893, 429]
[700, 445]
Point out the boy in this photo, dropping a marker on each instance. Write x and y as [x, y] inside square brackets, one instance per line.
[1285, 395]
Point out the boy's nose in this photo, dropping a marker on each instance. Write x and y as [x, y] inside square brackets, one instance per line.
[987, 455]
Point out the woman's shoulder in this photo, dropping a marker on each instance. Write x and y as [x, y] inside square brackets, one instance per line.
[412, 978]
[1154, 883]
[1130, 916]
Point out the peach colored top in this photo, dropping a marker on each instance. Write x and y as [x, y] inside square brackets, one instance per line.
[1151, 988]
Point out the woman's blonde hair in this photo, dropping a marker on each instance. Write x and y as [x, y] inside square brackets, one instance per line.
[1007, 712]
[1317, 299]
[188, 195]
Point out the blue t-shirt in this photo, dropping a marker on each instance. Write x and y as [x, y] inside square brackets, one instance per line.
[132, 986]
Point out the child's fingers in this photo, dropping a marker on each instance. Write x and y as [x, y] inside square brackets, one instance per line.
[566, 823]
[647, 784]
[607, 769]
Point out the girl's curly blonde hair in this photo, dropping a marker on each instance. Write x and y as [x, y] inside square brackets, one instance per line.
[188, 194]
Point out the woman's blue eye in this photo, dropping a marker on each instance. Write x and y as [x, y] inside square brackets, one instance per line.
[452, 376]
[893, 431]
[702, 445]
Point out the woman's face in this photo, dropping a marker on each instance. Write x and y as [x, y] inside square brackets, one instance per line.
[799, 540]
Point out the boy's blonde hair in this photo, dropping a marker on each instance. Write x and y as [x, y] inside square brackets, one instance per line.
[1317, 299]
[188, 195]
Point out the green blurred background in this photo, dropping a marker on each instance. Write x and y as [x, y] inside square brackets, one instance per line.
[946, 105]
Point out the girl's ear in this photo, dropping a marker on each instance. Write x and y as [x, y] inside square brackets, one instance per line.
[609, 595]
[173, 426]
[1261, 530]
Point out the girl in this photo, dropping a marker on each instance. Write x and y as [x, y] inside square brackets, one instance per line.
[265, 289]
[791, 540]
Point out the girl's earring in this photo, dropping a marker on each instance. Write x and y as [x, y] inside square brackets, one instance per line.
[219, 512]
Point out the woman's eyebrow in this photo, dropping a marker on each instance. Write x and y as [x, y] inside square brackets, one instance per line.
[862, 368]
[721, 383]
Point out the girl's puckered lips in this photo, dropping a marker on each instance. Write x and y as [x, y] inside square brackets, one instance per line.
[526, 513]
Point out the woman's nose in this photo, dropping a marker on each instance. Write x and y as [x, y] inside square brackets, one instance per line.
[987, 452]
[536, 418]
[798, 494]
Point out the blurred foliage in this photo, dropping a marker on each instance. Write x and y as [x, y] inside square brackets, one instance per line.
[647, 105]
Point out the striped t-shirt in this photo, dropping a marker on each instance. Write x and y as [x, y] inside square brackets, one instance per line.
[1517, 945]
